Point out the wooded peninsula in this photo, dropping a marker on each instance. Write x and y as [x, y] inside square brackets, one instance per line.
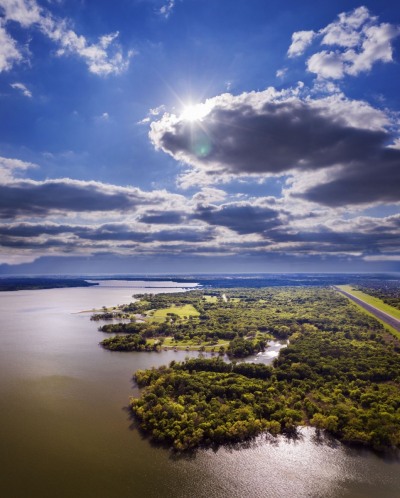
[340, 371]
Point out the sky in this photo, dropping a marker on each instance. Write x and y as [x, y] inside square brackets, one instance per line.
[168, 136]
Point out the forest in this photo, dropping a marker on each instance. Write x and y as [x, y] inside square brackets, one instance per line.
[340, 372]
[236, 321]
[196, 320]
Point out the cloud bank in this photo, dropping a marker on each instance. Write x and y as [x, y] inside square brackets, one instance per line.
[102, 58]
[283, 133]
[71, 217]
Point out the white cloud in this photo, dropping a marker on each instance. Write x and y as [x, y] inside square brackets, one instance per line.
[355, 113]
[395, 144]
[102, 58]
[208, 195]
[153, 112]
[356, 40]
[22, 88]
[323, 86]
[156, 111]
[9, 167]
[281, 72]
[345, 32]
[376, 46]
[103, 117]
[24, 12]
[327, 64]
[383, 257]
[9, 52]
[200, 177]
[300, 41]
[167, 8]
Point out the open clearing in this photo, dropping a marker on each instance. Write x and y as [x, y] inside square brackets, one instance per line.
[184, 312]
[211, 299]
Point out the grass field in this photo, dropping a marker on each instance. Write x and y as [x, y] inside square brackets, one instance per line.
[211, 299]
[183, 312]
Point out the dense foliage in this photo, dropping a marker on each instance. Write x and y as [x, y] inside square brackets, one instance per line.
[340, 373]
[244, 317]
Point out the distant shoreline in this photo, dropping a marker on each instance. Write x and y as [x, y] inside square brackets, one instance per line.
[220, 281]
[32, 283]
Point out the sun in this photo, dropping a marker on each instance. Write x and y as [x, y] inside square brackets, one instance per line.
[195, 112]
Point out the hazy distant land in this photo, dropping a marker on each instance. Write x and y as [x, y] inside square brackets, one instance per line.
[223, 280]
[32, 283]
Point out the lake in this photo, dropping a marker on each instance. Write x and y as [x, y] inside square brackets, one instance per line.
[65, 430]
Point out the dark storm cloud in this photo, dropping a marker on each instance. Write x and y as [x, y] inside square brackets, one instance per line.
[36, 245]
[346, 138]
[241, 218]
[117, 232]
[366, 235]
[375, 179]
[29, 198]
[33, 230]
[279, 137]
[18, 235]
[162, 217]
[327, 242]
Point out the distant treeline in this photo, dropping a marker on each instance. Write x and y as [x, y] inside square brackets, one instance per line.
[32, 283]
[267, 280]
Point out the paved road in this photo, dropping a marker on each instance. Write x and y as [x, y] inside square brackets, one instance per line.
[389, 319]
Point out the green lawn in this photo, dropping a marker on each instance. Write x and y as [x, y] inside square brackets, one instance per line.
[183, 312]
[377, 303]
[211, 299]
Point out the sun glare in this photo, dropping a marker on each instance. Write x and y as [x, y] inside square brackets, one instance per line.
[195, 112]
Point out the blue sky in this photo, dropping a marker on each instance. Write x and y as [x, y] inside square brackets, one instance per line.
[199, 135]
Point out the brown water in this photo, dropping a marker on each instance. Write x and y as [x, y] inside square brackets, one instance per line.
[64, 431]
